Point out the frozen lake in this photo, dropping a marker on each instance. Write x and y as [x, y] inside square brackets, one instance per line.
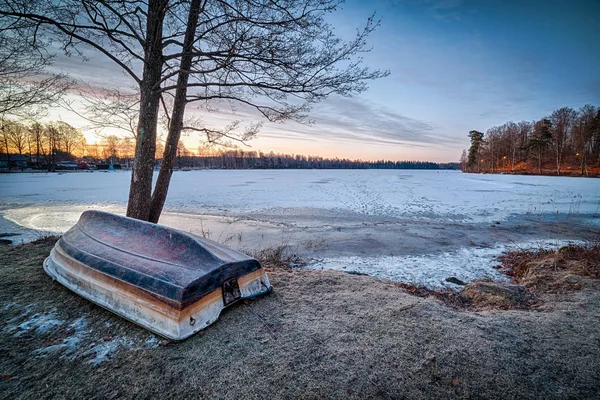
[413, 226]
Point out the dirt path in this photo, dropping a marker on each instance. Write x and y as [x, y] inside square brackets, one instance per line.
[318, 335]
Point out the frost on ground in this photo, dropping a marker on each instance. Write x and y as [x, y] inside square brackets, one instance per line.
[77, 341]
[321, 334]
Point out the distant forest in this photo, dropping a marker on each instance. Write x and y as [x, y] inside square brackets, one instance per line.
[51, 146]
[238, 159]
[566, 142]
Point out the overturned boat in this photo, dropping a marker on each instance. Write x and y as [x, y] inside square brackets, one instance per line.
[170, 282]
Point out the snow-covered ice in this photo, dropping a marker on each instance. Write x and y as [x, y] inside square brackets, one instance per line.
[386, 193]
[431, 270]
[415, 226]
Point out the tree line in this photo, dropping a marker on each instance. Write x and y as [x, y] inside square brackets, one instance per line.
[46, 143]
[565, 142]
[239, 159]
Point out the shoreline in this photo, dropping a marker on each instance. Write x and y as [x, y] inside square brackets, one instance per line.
[565, 174]
[408, 251]
[573, 175]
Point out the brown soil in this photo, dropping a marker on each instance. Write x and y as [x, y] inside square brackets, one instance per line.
[318, 335]
[531, 168]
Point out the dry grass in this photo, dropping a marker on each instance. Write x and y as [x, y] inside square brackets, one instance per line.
[554, 271]
[451, 298]
[320, 334]
[276, 257]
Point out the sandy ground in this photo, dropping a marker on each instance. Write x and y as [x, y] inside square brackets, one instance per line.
[320, 334]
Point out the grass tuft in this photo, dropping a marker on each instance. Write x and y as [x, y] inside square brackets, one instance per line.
[585, 257]
[278, 256]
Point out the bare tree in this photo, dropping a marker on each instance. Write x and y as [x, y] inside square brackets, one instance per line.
[52, 138]
[17, 135]
[110, 147]
[26, 89]
[274, 56]
[525, 131]
[562, 122]
[5, 137]
[70, 138]
[36, 136]
[583, 135]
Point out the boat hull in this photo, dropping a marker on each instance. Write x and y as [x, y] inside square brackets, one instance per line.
[171, 317]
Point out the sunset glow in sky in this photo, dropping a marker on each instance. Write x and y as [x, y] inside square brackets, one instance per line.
[455, 66]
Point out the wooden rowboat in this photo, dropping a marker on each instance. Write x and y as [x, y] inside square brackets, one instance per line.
[170, 282]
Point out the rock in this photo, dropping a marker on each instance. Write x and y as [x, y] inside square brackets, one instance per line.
[504, 295]
[356, 273]
[456, 281]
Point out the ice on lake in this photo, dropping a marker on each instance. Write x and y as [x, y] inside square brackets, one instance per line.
[388, 223]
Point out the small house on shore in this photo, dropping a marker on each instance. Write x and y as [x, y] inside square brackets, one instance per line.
[11, 161]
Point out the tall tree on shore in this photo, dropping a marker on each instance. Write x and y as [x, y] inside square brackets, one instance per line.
[476, 143]
[583, 135]
[17, 136]
[274, 56]
[541, 139]
[562, 121]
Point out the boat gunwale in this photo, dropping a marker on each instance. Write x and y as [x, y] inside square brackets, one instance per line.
[181, 287]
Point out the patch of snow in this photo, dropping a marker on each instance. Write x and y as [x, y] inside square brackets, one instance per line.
[39, 324]
[152, 342]
[105, 350]
[70, 344]
[77, 344]
[467, 264]
[101, 352]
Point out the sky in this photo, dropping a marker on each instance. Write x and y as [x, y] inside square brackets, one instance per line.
[454, 66]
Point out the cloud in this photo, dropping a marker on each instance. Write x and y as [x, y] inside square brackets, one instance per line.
[355, 120]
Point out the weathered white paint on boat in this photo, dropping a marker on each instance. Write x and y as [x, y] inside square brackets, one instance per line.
[175, 316]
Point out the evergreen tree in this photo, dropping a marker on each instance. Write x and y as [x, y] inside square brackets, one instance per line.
[541, 139]
[476, 142]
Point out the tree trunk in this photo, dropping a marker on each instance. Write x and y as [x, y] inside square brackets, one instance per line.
[140, 189]
[176, 124]
[5, 138]
[513, 159]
